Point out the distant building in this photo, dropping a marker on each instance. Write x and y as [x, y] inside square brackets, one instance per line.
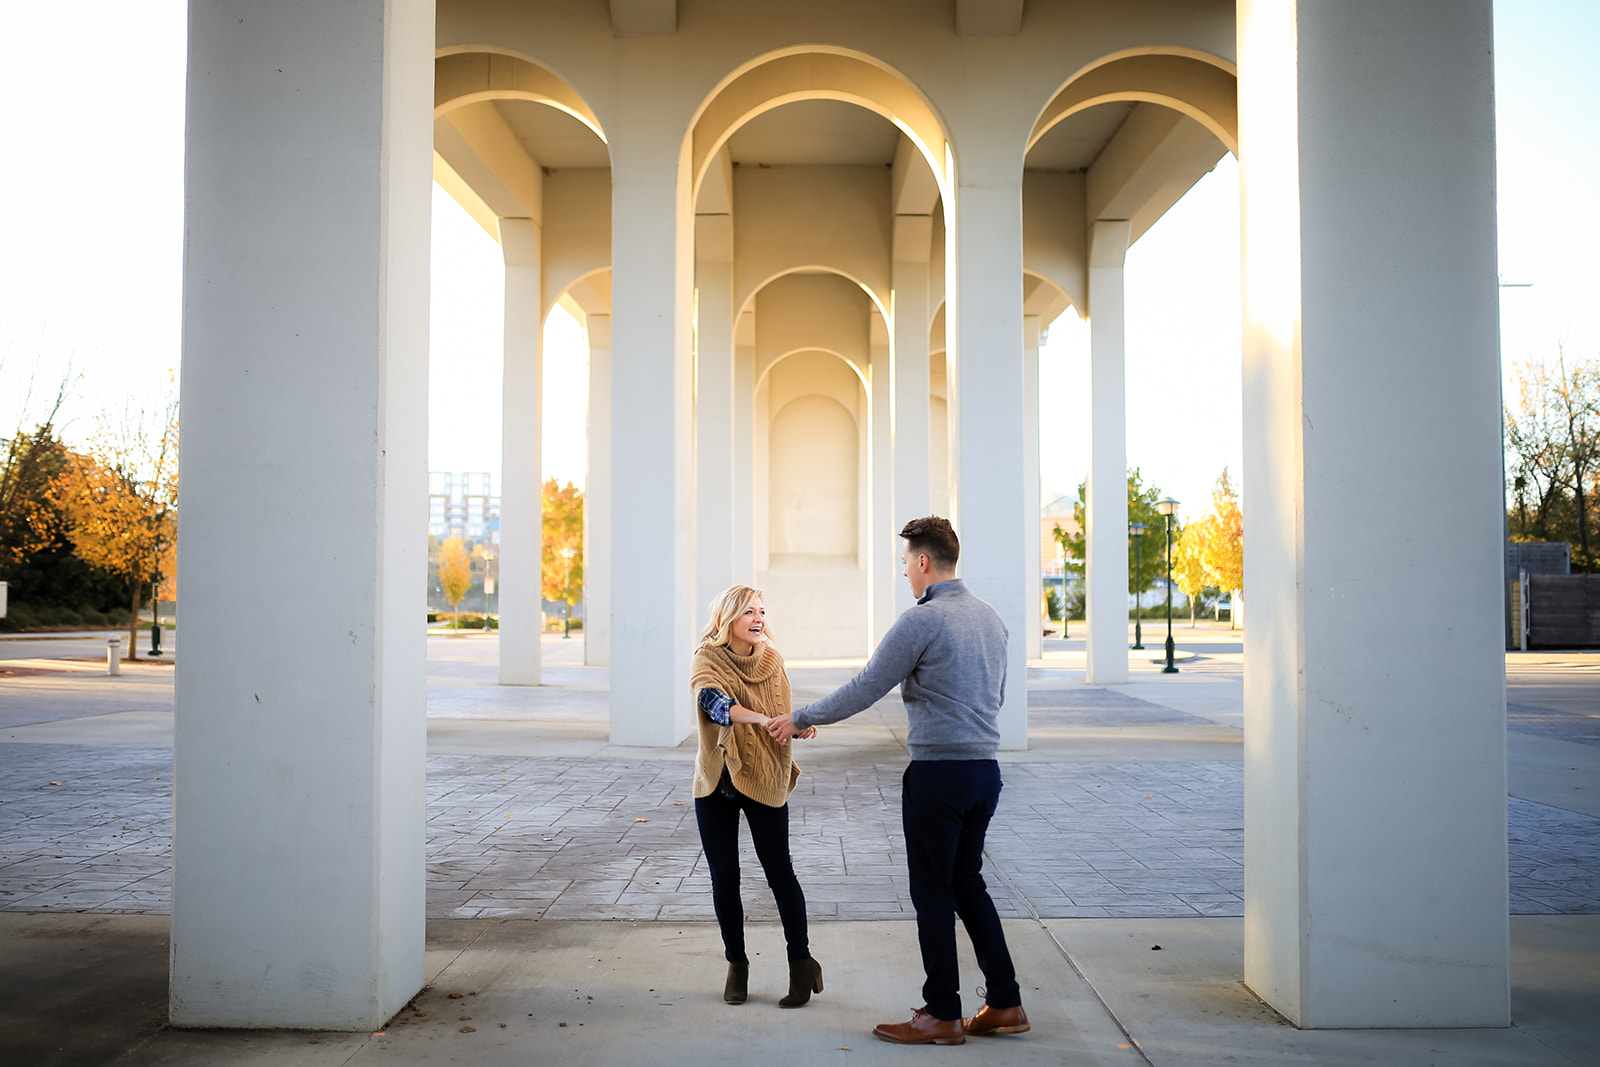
[463, 504]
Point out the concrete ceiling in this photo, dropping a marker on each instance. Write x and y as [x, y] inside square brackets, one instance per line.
[1077, 141]
[551, 136]
[815, 132]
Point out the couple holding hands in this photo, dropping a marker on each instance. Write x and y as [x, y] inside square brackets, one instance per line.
[948, 655]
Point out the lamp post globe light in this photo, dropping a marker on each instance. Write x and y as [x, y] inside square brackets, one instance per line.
[1137, 531]
[566, 594]
[1169, 508]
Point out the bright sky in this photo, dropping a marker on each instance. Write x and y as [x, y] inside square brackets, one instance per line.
[91, 208]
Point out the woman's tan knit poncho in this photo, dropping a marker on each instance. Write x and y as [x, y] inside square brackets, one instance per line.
[760, 767]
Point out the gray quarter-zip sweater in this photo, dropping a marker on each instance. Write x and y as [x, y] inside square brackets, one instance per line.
[948, 655]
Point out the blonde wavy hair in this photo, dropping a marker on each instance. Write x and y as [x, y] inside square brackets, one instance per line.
[727, 606]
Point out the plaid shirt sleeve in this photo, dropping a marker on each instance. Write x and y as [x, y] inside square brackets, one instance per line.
[716, 705]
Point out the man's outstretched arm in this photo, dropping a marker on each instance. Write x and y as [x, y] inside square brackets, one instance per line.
[896, 657]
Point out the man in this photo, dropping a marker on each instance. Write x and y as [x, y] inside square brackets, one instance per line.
[948, 655]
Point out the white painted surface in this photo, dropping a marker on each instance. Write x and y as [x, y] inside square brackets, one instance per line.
[651, 405]
[993, 503]
[521, 591]
[1030, 482]
[597, 498]
[298, 814]
[1375, 813]
[714, 410]
[1106, 509]
[908, 412]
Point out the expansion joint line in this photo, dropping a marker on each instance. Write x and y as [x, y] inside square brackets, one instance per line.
[1000, 873]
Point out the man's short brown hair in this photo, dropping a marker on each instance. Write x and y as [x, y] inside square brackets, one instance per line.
[935, 538]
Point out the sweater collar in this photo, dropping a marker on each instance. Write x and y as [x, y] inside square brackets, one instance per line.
[758, 666]
[948, 587]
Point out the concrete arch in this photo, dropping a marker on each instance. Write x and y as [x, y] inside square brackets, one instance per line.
[1043, 296]
[1200, 85]
[468, 75]
[815, 72]
[582, 296]
[749, 299]
[860, 372]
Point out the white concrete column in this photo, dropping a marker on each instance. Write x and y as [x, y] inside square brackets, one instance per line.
[1375, 784]
[908, 401]
[652, 574]
[1030, 479]
[1106, 511]
[597, 498]
[882, 572]
[714, 411]
[521, 490]
[297, 890]
[991, 498]
[744, 436]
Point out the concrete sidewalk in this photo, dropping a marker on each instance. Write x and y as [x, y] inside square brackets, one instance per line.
[1119, 831]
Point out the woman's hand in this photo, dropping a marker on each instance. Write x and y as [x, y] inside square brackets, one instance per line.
[807, 734]
[781, 727]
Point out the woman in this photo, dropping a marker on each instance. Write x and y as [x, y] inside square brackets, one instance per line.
[739, 683]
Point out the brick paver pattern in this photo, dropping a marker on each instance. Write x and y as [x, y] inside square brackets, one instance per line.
[89, 829]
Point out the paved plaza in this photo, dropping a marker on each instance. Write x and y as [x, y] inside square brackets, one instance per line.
[1124, 816]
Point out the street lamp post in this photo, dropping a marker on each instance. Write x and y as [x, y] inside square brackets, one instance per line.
[1169, 508]
[566, 595]
[1137, 530]
[488, 587]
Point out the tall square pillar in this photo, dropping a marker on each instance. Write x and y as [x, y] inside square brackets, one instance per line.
[909, 414]
[597, 498]
[521, 590]
[715, 410]
[297, 896]
[652, 518]
[1375, 780]
[1105, 533]
[987, 397]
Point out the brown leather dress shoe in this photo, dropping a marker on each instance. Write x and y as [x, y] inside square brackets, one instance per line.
[923, 1029]
[997, 1021]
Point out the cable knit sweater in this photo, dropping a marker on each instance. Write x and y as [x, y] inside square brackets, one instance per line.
[760, 767]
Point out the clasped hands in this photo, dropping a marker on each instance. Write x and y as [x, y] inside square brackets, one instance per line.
[781, 727]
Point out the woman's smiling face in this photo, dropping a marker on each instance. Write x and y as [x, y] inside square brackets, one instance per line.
[749, 628]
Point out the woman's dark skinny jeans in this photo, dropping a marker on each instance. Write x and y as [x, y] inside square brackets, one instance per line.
[718, 817]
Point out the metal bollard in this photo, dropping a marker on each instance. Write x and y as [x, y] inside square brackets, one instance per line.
[113, 655]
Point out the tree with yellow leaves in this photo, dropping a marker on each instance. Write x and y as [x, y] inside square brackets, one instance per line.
[1224, 543]
[121, 504]
[455, 575]
[563, 543]
[1188, 563]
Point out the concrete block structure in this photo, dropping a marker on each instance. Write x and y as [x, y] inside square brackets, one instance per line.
[813, 246]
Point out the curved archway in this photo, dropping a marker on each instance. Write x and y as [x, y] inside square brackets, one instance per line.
[859, 371]
[814, 72]
[463, 76]
[749, 299]
[811, 448]
[1202, 86]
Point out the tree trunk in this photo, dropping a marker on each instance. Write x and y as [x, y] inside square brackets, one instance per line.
[1583, 519]
[133, 623]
